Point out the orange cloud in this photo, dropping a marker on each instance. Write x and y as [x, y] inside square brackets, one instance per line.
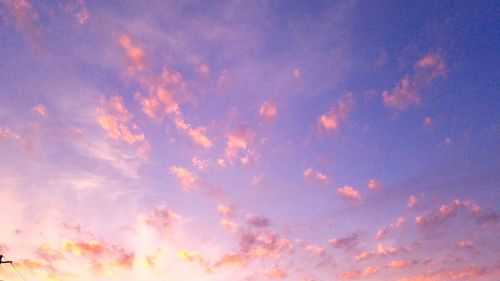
[225, 210]
[337, 114]
[231, 260]
[46, 253]
[227, 213]
[363, 256]
[315, 249]
[349, 275]
[313, 175]
[187, 179]
[135, 55]
[398, 264]
[268, 110]
[468, 273]
[370, 270]
[349, 193]
[196, 134]
[276, 273]
[159, 103]
[100, 254]
[229, 225]
[114, 117]
[385, 250]
[84, 248]
[190, 256]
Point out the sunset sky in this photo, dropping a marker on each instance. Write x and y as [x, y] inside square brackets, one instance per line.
[250, 140]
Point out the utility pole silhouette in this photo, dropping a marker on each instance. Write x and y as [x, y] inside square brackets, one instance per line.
[12, 264]
[2, 261]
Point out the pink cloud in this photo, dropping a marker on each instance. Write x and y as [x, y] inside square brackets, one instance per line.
[349, 193]
[427, 123]
[200, 164]
[161, 218]
[238, 146]
[407, 92]
[257, 221]
[315, 249]
[24, 16]
[79, 7]
[225, 210]
[159, 103]
[317, 176]
[403, 95]
[100, 253]
[385, 250]
[6, 133]
[267, 244]
[231, 260]
[399, 222]
[331, 120]
[383, 231]
[197, 134]
[370, 270]
[412, 201]
[398, 264]
[229, 225]
[187, 179]
[114, 117]
[433, 63]
[39, 110]
[268, 110]
[346, 243]
[374, 184]
[363, 256]
[276, 273]
[135, 54]
[445, 212]
[348, 275]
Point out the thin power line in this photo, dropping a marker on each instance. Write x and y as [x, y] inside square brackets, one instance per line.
[15, 269]
[18, 273]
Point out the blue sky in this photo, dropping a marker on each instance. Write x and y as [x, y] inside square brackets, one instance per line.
[279, 140]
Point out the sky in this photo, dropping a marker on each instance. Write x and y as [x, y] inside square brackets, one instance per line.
[250, 140]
